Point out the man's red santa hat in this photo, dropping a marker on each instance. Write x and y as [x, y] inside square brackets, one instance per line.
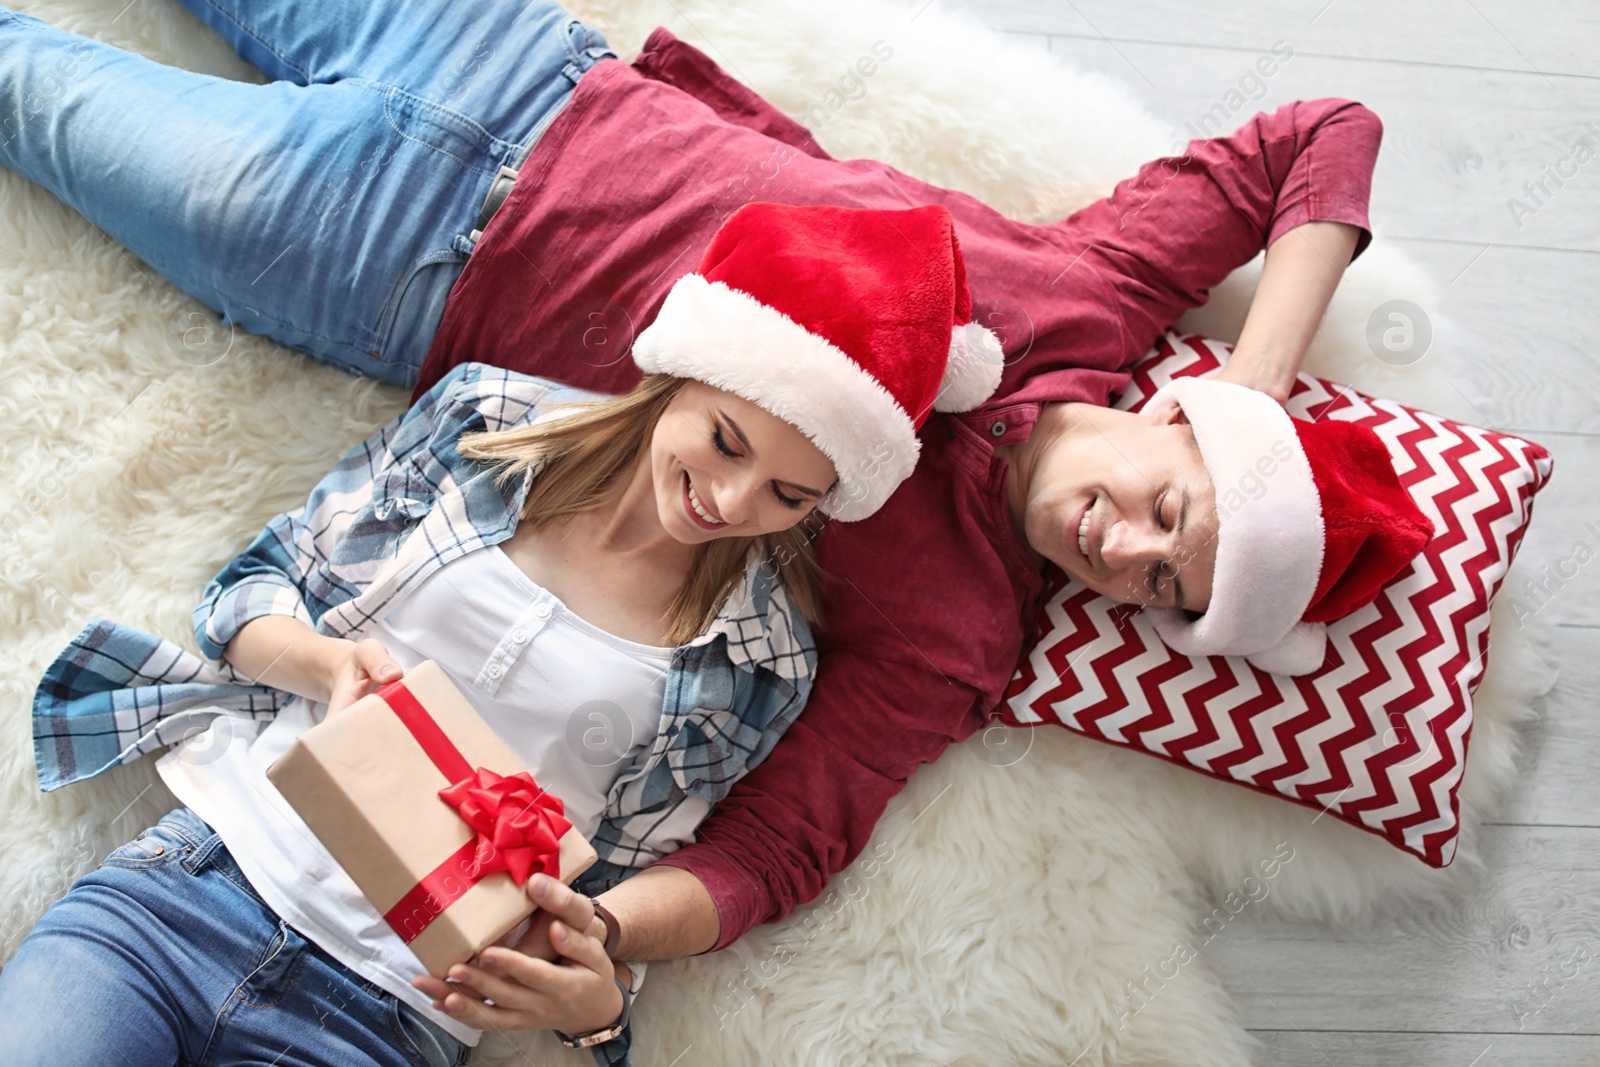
[1312, 523]
[850, 324]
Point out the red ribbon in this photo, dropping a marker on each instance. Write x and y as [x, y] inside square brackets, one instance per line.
[517, 826]
[520, 822]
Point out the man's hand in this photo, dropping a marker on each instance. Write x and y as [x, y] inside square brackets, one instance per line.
[575, 994]
[1302, 268]
[536, 942]
[1273, 376]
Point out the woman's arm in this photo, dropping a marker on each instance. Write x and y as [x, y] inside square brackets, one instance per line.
[285, 653]
[288, 570]
[1301, 270]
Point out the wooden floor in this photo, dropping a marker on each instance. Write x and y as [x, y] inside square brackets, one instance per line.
[1477, 97]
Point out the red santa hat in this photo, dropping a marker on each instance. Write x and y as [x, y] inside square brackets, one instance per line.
[1312, 523]
[850, 324]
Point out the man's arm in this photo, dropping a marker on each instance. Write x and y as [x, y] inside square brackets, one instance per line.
[805, 813]
[1166, 236]
[1301, 271]
[811, 813]
[663, 912]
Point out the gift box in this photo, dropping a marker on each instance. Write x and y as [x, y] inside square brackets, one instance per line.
[430, 814]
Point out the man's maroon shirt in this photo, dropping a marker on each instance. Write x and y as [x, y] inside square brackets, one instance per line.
[929, 600]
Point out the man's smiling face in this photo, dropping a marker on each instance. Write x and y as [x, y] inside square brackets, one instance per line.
[1122, 502]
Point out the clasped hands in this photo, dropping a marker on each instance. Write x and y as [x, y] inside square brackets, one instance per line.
[556, 976]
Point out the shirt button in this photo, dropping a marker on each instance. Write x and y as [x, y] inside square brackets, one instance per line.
[543, 611]
[998, 429]
[494, 670]
[519, 636]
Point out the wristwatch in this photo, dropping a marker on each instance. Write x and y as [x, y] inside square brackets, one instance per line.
[605, 1033]
[613, 928]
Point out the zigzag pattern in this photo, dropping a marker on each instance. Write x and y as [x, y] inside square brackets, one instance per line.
[1376, 737]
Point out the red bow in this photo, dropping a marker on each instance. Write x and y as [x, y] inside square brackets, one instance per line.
[518, 825]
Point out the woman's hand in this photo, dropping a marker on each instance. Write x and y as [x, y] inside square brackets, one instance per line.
[575, 995]
[358, 669]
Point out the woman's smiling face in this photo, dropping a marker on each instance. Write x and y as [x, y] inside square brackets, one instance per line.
[725, 467]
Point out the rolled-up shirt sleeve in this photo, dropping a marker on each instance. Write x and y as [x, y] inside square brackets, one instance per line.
[286, 569]
[809, 810]
[1178, 227]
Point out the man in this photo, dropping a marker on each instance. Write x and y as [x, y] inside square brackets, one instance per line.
[529, 200]
[925, 620]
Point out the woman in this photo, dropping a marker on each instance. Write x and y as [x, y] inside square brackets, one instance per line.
[633, 566]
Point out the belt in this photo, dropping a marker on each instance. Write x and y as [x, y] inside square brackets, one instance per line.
[506, 176]
[499, 189]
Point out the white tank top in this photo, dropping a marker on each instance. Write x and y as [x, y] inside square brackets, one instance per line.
[574, 702]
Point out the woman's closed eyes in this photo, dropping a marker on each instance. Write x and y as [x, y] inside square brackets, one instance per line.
[721, 441]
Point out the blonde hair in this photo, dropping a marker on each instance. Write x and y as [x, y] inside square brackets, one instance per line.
[582, 455]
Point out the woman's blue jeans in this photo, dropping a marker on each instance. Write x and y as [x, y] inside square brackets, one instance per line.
[165, 955]
[330, 209]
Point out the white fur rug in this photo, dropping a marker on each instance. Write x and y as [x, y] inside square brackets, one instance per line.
[1012, 891]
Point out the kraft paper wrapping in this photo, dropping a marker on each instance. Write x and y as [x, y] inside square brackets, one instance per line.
[369, 792]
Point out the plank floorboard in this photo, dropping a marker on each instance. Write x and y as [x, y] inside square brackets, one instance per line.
[1550, 38]
[1524, 348]
[1514, 949]
[1459, 144]
[1288, 1048]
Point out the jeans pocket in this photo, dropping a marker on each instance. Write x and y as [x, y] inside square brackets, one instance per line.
[415, 307]
[427, 1043]
[167, 841]
[439, 128]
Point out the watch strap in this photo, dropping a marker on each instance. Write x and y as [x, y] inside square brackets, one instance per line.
[613, 928]
[605, 1033]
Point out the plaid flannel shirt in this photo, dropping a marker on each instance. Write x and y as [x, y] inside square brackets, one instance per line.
[392, 510]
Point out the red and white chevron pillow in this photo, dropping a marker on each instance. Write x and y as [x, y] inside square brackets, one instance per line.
[1378, 735]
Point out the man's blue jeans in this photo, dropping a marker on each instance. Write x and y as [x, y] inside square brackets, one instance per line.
[329, 209]
[166, 955]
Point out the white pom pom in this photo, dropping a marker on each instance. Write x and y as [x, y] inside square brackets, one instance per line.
[972, 372]
[1301, 652]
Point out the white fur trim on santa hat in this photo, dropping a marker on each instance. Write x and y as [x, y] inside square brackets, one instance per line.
[716, 334]
[972, 371]
[1270, 532]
